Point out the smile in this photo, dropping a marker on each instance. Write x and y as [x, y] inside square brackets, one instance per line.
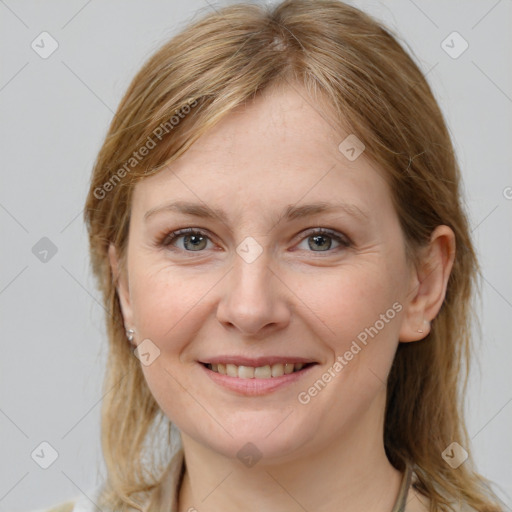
[260, 372]
[256, 380]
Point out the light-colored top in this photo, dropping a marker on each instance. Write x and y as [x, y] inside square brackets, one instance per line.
[168, 493]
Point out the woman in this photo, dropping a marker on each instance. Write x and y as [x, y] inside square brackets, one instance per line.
[275, 223]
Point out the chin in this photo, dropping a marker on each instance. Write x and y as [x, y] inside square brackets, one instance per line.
[267, 439]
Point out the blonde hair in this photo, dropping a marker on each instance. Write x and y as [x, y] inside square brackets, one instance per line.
[348, 61]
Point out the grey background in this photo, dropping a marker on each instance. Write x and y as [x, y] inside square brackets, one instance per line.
[54, 115]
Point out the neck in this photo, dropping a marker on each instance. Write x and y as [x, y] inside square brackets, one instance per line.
[349, 473]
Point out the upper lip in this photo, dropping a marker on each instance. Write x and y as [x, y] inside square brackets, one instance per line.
[255, 361]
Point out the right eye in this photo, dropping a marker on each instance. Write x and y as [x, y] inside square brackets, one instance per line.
[193, 239]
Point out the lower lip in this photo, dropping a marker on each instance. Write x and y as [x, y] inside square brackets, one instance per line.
[256, 387]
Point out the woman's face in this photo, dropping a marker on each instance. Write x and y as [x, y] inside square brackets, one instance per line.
[259, 281]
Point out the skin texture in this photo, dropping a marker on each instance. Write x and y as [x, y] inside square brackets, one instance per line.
[276, 151]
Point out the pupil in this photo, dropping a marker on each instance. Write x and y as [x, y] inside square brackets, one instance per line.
[196, 240]
[318, 240]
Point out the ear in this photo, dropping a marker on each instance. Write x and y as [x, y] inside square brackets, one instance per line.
[122, 287]
[428, 285]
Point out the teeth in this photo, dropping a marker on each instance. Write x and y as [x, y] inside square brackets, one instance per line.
[261, 372]
[288, 368]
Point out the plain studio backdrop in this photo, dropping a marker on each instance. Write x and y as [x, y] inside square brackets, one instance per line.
[65, 67]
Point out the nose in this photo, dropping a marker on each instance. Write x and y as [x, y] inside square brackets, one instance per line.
[254, 300]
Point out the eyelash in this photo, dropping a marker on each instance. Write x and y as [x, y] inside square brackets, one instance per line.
[167, 238]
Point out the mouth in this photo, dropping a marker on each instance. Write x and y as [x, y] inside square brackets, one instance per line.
[256, 377]
[268, 371]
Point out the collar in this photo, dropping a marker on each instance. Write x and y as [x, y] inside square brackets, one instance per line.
[165, 499]
[403, 492]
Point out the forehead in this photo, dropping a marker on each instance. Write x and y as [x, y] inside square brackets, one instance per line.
[276, 149]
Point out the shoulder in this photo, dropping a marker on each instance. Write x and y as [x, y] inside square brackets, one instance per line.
[85, 503]
[78, 505]
[68, 506]
[64, 507]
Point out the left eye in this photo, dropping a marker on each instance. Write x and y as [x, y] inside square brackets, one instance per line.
[195, 240]
[321, 240]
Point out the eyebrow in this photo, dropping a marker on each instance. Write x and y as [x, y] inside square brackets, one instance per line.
[291, 212]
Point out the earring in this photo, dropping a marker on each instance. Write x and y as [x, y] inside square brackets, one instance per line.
[129, 334]
[421, 331]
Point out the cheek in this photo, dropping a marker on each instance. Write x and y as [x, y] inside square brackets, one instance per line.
[353, 299]
[163, 298]
[359, 308]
